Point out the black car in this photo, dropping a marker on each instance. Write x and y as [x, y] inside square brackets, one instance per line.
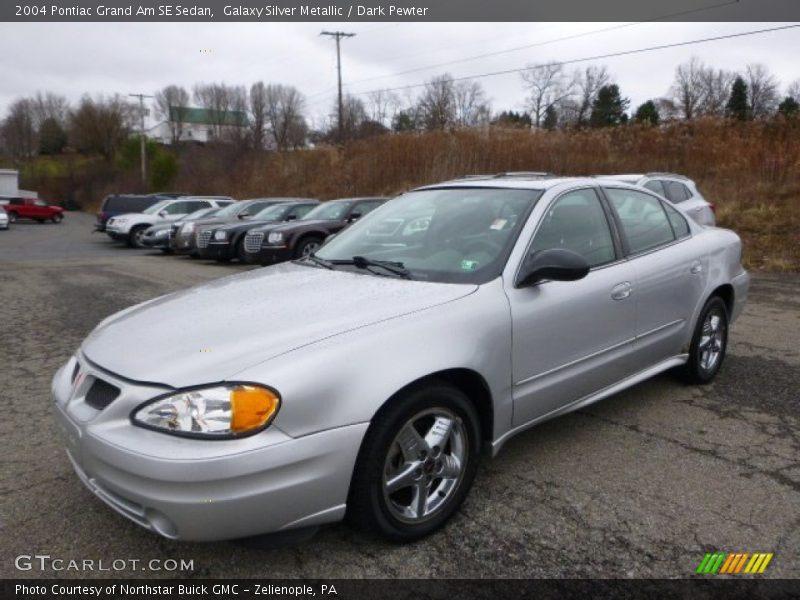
[227, 240]
[274, 243]
[159, 235]
[120, 204]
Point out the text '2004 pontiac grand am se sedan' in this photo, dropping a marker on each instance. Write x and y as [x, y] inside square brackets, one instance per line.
[363, 381]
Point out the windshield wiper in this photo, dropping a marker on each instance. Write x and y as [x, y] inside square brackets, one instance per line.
[362, 262]
[318, 261]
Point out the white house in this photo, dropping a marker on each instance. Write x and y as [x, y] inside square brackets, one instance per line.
[199, 125]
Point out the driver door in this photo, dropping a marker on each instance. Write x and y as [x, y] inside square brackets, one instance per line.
[572, 338]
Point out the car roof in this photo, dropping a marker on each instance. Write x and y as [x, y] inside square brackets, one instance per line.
[359, 198]
[532, 182]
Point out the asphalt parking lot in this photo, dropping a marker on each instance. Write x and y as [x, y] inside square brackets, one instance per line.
[642, 484]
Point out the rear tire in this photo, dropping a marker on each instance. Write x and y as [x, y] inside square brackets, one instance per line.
[709, 343]
[416, 463]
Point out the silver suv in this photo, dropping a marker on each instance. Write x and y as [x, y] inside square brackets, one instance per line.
[678, 189]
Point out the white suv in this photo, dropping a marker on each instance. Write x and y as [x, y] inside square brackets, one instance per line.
[130, 227]
[679, 190]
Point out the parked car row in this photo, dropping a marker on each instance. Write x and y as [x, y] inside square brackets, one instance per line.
[366, 378]
[13, 208]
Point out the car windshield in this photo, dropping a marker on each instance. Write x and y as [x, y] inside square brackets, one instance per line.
[330, 211]
[454, 235]
[40, 203]
[231, 210]
[158, 206]
[271, 213]
[200, 214]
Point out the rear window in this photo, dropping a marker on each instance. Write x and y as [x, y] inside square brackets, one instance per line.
[676, 192]
[128, 203]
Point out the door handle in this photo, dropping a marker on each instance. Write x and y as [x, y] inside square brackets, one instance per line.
[621, 290]
[696, 268]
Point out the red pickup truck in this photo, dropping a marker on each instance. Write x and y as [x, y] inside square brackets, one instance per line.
[32, 208]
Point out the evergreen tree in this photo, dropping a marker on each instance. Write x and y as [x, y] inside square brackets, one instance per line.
[647, 113]
[789, 107]
[737, 103]
[550, 118]
[609, 107]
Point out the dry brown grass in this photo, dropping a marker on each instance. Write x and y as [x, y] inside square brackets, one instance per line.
[751, 171]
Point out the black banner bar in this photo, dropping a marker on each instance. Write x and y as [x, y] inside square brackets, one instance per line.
[399, 10]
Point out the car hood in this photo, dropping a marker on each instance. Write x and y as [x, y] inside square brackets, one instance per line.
[210, 332]
[245, 225]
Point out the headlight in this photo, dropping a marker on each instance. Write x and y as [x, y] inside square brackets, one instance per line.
[220, 235]
[120, 221]
[275, 238]
[161, 233]
[224, 411]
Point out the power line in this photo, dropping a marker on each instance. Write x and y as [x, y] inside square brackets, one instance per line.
[534, 45]
[591, 58]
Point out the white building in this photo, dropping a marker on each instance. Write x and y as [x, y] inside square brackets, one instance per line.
[199, 125]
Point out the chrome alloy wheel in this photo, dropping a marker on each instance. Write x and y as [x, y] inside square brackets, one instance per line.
[424, 465]
[310, 248]
[712, 340]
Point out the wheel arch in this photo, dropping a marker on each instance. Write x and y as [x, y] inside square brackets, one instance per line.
[724, 291]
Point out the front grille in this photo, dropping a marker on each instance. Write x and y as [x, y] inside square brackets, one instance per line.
[252, 242]
[101, 394]
[203, 238]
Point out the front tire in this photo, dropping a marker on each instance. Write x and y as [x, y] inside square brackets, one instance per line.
[307, 246]
[135, 239]
[709, 343]
[12, 217]
[57, 218]
[416, 464]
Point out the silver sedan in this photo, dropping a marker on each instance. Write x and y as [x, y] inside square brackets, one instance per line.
[364, 381]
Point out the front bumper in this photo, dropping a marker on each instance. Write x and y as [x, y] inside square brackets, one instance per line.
[183, 243]
[201, 490]
[216, 251]
[269, 255]
[161, 242]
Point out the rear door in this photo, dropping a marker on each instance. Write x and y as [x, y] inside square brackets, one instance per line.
[670, 267]
[572, 338]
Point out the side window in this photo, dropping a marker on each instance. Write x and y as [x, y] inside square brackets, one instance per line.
[577, 222]
[656, 186]
[676, 192]
[176, 208]
[643, 219]
[194, 205]
[300, 211]
[679, 224]
[254, 208]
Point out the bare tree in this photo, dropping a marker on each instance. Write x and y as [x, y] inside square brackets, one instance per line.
[19, 133]
[48, 105]
[548, 86]
[715, 89]
[436, 106]
[381, 105]
[793, 91]
[258, 112]
[101, 125]
[471, 105]
[587, 83]
[226, 105]
[762, 90]
[687, 88]
[172, 105]
[284, 115]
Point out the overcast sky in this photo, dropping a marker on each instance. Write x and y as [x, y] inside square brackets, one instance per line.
[77, 58]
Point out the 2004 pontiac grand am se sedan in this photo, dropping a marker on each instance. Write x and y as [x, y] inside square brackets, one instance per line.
[363, 380]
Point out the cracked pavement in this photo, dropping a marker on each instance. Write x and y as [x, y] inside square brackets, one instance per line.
[642, 484]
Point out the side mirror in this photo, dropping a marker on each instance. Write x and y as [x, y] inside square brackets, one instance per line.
[355, 216]
[162, 213]
[555, 264]
[291, 218]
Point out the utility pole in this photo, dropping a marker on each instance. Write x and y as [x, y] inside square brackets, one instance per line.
[143, 157]
[338, 35]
